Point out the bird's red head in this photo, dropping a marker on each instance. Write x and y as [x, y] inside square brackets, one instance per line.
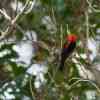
[71, 38]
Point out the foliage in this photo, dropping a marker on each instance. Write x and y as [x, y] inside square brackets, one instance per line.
[52, 20]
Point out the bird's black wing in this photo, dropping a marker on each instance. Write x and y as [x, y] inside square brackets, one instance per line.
[66, 53]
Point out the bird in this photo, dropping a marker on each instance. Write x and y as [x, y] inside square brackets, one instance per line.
[67, 49]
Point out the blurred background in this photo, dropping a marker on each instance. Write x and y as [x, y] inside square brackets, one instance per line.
[32, 33]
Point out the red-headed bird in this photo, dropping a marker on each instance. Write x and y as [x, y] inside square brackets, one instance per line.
[67, 49]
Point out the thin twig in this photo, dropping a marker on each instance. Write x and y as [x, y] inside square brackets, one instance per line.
[83, 80]
[61, 36]
[20, 13]
[68, 31]
[87, 24]
[61, 45]
[12, 21]
[54, 17]
[31, 90]
[4, 13]
[92, 8]
[31, 7]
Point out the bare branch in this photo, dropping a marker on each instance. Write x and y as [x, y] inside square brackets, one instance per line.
[32, 3]
[13, 21]
[92, 8]
[4, 13]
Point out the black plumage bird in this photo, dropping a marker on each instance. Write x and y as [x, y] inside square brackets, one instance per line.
[67, 49]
